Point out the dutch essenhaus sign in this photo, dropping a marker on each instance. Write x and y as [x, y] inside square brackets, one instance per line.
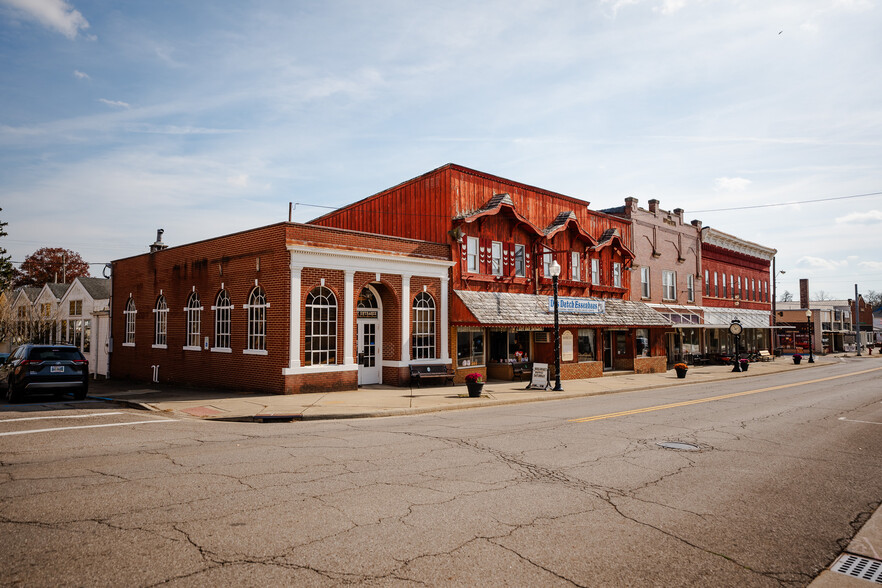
[577, 305]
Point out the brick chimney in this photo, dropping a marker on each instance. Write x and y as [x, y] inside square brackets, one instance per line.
[653, 206]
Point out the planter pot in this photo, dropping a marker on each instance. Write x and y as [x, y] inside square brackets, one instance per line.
[796, 360]
[475, 389]
[744, 365]
[681, 373]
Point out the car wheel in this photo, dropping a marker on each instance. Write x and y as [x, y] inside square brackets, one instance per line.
[80, 394]
[14, 394]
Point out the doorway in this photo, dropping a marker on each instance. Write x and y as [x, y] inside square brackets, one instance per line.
[608, 357]
[369, 337]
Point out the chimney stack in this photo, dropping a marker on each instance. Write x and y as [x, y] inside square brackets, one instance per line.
[653, 206]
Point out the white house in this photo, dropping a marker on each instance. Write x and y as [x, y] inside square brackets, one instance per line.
[84, 320]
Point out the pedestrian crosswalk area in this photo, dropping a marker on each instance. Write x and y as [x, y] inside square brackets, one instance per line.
[47, 418]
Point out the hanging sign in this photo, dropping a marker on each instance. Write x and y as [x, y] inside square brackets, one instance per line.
[540, 376]
[577, 305]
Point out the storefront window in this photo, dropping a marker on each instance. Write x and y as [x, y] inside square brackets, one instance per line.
[642, 342]
[507, 346]
[586, 345]
[469, 347]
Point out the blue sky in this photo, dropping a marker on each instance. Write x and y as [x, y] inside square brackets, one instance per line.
[205, 118]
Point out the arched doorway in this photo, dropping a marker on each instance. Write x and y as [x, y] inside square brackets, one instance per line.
[370, 337]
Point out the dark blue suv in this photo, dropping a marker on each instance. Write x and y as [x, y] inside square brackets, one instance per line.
[50, 368]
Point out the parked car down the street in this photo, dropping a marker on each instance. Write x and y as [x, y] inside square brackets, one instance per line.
[44, 368]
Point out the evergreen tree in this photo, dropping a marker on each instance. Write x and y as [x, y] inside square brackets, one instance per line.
[7, 272]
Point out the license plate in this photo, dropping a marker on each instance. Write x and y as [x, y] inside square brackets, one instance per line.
[57, 369]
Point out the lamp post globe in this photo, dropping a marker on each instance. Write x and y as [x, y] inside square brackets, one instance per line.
[554, 270]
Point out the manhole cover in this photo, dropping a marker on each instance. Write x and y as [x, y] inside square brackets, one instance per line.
[678, 445]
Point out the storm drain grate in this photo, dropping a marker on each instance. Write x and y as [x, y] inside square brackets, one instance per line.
[857, 566]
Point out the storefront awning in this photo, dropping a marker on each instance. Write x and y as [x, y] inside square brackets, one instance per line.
[502, 308]
[721, 318]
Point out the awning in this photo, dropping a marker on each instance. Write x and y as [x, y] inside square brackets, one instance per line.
[502, 308]
[680, 316]
[721, 318]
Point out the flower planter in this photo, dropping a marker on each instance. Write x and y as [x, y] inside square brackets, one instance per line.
[681, 373]
[475, 388]
[796, 360]
[744, 365]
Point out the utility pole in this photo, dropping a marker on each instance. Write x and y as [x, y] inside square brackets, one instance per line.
[857, 322]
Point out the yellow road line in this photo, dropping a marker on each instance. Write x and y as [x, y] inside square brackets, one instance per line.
[713, 398]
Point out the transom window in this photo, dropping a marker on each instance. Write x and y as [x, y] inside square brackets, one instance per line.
[223, 310]
[257, 306]
[423, 336]
[130, 312]
[321, 327]
[160, 322]
[194, 320]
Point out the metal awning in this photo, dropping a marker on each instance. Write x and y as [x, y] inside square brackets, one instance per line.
[721, 318]
[503, 308]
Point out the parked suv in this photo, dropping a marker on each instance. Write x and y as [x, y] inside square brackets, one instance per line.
[51, 368]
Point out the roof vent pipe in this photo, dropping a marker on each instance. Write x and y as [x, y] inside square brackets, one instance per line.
[158, 245]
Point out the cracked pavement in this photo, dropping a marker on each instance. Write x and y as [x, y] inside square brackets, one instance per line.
[514, 495]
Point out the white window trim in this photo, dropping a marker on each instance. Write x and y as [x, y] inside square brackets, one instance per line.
[523, 271]
[672, 286]
[258, 352]
[472, 255]
[192, 348]
[645, 284]
[155, 346]
[617, 274]
[128, 344]
[221, 350]
[496, 258]
[595, 271]
[576, 266]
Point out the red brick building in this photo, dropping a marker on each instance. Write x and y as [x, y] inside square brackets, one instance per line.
[504, 237]
[285, 308]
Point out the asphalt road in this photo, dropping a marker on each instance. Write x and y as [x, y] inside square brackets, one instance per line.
[575, 492]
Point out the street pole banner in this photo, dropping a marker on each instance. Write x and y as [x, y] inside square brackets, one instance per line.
[540, 376]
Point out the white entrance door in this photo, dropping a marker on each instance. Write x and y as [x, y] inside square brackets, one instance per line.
[368, 346]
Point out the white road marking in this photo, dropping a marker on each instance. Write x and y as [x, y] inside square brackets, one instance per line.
[865, 422]
[85, 427]
[68, 416]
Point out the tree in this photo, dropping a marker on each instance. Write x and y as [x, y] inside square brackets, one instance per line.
[51, 264]
[874, 299]
[7, 272]
[822, 295]
[786, 296]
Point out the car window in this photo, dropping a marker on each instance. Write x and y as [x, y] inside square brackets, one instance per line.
[54, 353]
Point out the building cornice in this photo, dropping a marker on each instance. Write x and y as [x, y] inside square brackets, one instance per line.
[726, 241]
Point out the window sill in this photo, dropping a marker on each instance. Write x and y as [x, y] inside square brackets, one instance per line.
[154, 346]
[192, 348]
[221, 350]
[255, 352]
[128, 344]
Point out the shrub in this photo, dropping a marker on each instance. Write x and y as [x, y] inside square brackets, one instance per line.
[681, 366]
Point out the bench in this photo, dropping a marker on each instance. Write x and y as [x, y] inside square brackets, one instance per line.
[700, 360]
[430, 372]
[519, 369]
[764, 355]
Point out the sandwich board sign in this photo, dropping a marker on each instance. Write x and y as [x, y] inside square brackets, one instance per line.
[540, 377]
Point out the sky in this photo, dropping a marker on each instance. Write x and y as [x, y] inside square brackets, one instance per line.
[206, 118]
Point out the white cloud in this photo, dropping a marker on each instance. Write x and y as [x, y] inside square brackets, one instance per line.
[114, 103]
[819, 263]
[871, 265]
[731, 184]
[240, 181]
[53, 14]
[80, 75]
[671, 6]
[869, 217]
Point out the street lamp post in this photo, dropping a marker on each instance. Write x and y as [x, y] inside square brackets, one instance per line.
[811, 326]
[555, 273]
[774, 307]
[735, 329]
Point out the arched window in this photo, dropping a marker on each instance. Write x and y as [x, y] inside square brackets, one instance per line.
[130, 314]
[160, 322]
[222, 311]
[321, 327]
[423, 334]
[257, 306]
[194, 321]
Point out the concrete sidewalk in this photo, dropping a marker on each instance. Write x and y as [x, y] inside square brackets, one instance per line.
[380, 400]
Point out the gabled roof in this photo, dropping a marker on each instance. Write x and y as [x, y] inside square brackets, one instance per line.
[98, 288]
[494, 206]
[609, 237]
[562, 221]
[58, 290]
[29, 292]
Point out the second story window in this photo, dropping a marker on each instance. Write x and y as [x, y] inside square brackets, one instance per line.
[716, 284]
[520, 267]
[725, 287]
[707, 283]
[76, 307]
[690, 288]
[669, 284]
[472, 254]
[576, 266]
[496, 258]
[644, 282]
[547, 259]
[617, 274]
[595, 271]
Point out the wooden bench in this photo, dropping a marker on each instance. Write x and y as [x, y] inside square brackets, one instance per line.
[764, 355]
[700, 360]
[430, 372]
[519, 369]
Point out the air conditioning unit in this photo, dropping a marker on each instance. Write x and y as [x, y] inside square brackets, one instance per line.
[542, 337]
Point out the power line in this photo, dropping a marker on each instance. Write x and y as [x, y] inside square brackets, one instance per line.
[789, 203]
